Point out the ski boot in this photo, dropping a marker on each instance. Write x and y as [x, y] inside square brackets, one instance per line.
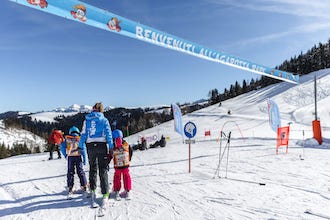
[93, 198]
[70, 193]
[117, 196]
[104, 205]
[127, 195]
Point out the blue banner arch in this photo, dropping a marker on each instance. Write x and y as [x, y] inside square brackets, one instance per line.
[90, 15]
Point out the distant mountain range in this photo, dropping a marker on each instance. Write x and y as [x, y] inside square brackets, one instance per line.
[74, 108]
[40, 123]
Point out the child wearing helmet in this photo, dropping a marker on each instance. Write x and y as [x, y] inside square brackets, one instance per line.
[76, 158]
[122, 154]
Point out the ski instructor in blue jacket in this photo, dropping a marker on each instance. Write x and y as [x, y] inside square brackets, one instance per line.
[96, 133]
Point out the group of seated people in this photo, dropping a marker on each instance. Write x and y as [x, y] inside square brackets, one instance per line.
[142, 145]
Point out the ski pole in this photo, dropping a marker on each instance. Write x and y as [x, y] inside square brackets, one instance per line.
[217, 171]
[303, 157]
[228, 143]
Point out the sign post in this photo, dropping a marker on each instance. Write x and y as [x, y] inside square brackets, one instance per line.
[190, 131]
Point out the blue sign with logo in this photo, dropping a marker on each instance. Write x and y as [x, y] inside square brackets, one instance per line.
[190, 129]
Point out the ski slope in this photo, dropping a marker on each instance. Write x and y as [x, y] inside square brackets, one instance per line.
[254, 183]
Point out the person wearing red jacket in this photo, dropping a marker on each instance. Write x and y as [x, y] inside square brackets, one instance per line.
[55, 139]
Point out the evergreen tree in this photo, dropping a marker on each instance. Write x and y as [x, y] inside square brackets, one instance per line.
[214, 96]
[238, 89]
[232, 91]
[4, 153]
[244, 87]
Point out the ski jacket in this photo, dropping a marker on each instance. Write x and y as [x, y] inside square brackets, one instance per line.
[96, 128]
[56, 137]
[162, 142]
[70, 147]
[122, 155]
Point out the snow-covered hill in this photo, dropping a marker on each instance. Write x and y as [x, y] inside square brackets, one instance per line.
[14, 136]
[19, 136]
[253, 182]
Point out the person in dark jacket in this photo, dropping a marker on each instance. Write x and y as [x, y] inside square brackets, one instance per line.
[161, 143]
[143, 145]
[97, 135]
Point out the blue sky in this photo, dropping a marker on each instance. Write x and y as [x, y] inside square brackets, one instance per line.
[48, 61]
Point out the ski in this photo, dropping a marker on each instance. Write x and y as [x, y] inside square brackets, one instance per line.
[321, 215]
[247, 181]
[52, 159]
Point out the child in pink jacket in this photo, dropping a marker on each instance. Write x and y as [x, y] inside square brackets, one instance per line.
[122, 154]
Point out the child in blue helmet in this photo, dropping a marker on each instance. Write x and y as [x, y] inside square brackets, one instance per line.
[76, 158]
[122, 154]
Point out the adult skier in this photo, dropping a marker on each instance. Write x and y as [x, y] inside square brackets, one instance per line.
[96, 133]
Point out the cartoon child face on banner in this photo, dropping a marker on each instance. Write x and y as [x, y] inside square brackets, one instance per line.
[41, 3]
[79, 12]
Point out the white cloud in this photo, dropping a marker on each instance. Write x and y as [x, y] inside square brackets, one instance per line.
[303, 29]
[304, 10]
[301, 8]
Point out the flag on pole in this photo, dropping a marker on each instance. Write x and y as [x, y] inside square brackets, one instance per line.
[283, 137]
[274, 115]
[207, 133]
[177, 118]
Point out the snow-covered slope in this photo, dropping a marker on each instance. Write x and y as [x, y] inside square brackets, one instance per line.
[18, 136]
[253, 182]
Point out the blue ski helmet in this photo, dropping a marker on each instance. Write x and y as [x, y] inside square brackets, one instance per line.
[73, 130]
[117, 134]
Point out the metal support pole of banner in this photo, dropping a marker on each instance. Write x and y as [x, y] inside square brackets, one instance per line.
[217, 171]
[221, 154]
[228, 143]
[303, 146]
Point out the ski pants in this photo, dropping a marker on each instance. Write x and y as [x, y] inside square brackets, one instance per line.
[119, 172]
[52, 148]
[98, 158]
[75, 162]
